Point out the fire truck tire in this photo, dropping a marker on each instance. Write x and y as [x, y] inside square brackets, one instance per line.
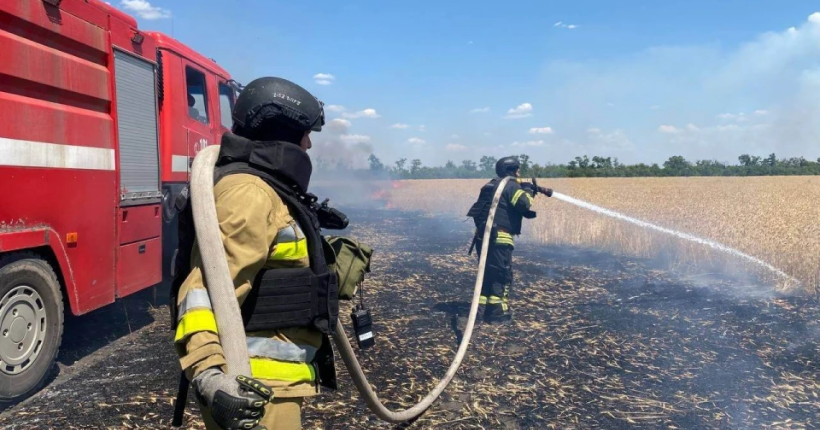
[31, 324]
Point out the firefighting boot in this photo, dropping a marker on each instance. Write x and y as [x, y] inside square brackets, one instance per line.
[495, 314]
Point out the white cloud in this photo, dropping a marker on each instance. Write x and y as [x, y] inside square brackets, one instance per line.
[531, 143]
[144, 9]
[761, 112]
[814, 18]
[654, 107]
[523, 110]
[560, 24]
[481, 110]
[594, 130]
[400, 126]
[542, 130]
[455, 136]
[730, 127]
[668, 129]
[339, 125]
[692, 127]
[367, 113]
[455, 147]
[740, 117]
[422, 128]
[324, 78]
[486, 133]
[416, 141]
[354, 138]
[334, 108]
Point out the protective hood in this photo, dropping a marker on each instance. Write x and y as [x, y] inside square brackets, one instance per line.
[283, 160]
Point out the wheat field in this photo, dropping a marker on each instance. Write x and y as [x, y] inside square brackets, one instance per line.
[775, 219]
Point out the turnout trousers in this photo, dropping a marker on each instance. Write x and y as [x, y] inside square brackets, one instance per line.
[498, 277]
[280, 414]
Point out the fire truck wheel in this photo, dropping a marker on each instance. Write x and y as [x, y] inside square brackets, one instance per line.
[31, 324]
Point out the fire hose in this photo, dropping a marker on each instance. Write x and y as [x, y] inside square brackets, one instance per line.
[229, 319]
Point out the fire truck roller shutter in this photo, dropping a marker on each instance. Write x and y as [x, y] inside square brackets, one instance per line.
[137, 129]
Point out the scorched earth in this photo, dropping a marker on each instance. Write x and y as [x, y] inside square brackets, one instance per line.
[598, 341]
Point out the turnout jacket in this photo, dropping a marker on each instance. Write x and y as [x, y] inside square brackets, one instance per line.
[514, 205]
[259, 231]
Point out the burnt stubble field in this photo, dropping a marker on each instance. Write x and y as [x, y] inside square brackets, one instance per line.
[598, 341]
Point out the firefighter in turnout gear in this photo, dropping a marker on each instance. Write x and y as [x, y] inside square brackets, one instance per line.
[515, 204]
[271, 241]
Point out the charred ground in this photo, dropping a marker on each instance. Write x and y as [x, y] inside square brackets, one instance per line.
[598, 341]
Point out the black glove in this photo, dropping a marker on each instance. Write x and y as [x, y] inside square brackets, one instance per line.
[236, 403]
[330, 218]
[529, 187]
[530, 214]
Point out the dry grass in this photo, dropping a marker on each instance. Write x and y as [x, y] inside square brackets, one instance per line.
[774, 219]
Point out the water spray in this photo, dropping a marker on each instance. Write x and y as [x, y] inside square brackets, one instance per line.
[229, 320]
[710, 243]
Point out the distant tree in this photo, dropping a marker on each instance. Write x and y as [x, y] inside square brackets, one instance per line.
[450, 165]
[375, 164]
[524, 159]
[487, 163]
[400, 164]
[676, 162]
[468, 165]
[749, 160]
[415, 166]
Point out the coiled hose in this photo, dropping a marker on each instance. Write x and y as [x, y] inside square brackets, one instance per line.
[229, 319]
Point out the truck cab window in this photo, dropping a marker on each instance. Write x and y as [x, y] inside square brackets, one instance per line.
[226, 101]
[197, 95]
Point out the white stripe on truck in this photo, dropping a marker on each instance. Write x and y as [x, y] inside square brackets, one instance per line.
[25, 153]
[179, 164]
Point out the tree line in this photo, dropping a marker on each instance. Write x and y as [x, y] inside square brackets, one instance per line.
[584, 167]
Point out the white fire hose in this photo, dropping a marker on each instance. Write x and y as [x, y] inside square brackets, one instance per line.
[229, 319]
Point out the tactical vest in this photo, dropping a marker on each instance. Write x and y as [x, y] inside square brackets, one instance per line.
[287, 297]
[505, 216]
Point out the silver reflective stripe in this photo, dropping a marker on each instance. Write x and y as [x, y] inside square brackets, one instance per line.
[286, 235]
[278, 350]
[197, 298]
[299, 234]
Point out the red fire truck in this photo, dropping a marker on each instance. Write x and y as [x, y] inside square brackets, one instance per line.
[99, 122]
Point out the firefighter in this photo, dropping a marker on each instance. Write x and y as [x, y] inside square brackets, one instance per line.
[270, 240]
[514, 205]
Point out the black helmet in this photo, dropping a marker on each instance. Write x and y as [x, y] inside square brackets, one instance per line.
[277, 99]
[507, 166]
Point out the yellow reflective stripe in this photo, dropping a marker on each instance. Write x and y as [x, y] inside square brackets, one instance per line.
[504, 235]
[195, 321]
[290, 250]
[504, 238]
[495, 300]
[265, 368]
[529, 197]
[516, 196]
[482, 300]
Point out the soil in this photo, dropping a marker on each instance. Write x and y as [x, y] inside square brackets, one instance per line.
[597, 341]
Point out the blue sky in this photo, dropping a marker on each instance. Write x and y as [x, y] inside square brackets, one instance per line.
[637, 80]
